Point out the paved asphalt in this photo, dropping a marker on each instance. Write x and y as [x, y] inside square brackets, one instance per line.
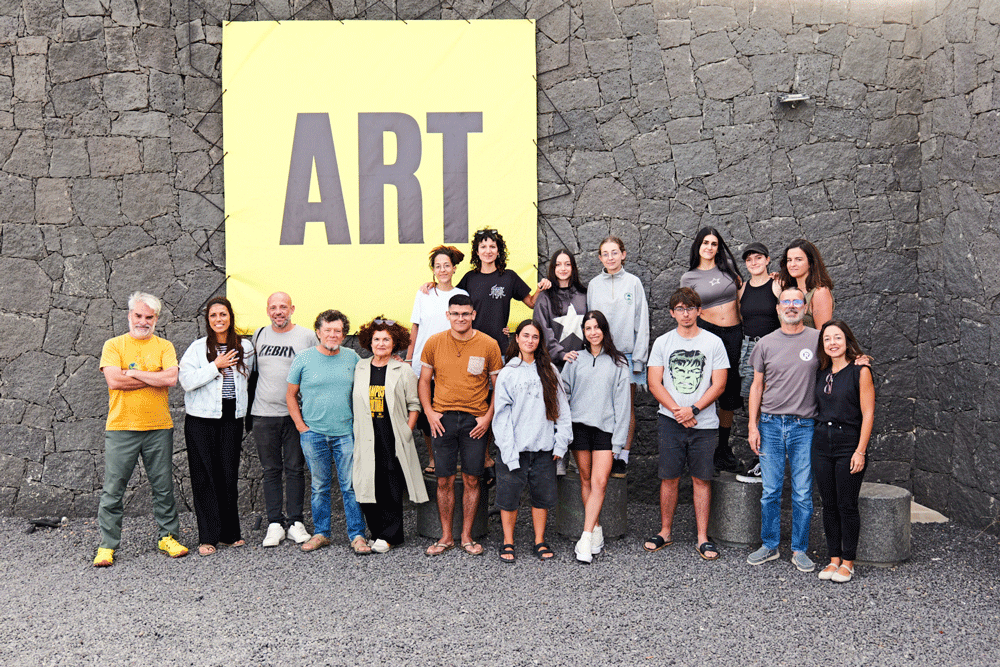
[256, 606]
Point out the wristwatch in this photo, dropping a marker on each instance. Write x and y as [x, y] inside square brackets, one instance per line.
[695, 410]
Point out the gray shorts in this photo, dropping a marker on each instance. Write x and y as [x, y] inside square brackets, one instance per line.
[679, 445]
[537, 472]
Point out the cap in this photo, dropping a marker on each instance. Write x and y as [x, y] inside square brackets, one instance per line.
[756, 247]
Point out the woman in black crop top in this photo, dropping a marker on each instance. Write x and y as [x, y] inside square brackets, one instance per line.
[845, 398]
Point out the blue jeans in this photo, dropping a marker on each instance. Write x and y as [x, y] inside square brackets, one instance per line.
[781, 437]
[319, 449]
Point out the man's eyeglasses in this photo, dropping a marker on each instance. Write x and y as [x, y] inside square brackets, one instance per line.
[460, 316]
[681, 310]
[798, 303]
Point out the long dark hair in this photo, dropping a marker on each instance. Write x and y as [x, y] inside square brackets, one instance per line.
[853, 347]
[481, 236]
[724, 259]
[543, 364]
[574, 276]
[608, 344]
[233, 340]
[818, 277]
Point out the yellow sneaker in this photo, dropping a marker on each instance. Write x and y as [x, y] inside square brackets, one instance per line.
[105, 557]
[172, 547]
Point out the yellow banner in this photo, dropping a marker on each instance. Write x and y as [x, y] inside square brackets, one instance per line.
[354, 148]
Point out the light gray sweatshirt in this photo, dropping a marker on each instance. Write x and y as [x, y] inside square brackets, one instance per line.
[519, 422]
[623, 301]
[600, 395]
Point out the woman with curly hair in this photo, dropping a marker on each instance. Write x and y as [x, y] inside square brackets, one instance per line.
[386, 407]
[802, 267]
[492, 286]
[214, 372]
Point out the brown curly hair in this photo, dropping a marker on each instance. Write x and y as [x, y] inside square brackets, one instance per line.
[400, 334]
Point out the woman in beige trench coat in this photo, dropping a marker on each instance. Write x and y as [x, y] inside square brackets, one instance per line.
[386, 407]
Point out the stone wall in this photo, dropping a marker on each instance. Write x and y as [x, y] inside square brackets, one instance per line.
[655, 118]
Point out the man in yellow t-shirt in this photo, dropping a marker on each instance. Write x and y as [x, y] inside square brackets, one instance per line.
[139, 368]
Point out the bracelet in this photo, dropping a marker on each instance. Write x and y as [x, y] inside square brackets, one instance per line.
[859, 452]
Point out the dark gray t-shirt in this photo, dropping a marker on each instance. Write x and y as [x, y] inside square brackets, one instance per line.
[275, 352]
[789, 363]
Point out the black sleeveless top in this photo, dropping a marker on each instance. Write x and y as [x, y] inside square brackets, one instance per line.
[843, 403]
[758, 308]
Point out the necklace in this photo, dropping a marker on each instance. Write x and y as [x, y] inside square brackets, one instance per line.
[459, 349]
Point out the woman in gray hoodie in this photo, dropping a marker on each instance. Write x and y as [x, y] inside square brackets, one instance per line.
[600, 400]
[532, 428]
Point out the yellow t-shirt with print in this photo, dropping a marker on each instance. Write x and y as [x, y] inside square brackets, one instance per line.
[144, 409]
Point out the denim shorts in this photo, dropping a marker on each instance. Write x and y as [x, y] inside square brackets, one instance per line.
[634, 378]
[680, 445]
[537, 471]
[746, 370]
[457, 442]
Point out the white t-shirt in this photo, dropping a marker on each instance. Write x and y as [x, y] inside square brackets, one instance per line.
[688, 364]
[429, 314]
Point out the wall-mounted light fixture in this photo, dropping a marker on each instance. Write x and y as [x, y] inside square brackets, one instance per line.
[792, 99]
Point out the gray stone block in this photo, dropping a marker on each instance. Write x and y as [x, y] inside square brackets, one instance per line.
[429, 519]
[725, 80]
[19, 333]
[885, 524]
[34, 288]
[569, 514]
[30, 156]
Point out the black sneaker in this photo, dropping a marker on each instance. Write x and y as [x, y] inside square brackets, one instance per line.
[619, 468]
[751, 476]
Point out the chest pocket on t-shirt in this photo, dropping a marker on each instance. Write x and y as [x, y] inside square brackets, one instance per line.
[477, 365]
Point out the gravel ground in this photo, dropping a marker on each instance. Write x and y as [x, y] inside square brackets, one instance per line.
[267, 606]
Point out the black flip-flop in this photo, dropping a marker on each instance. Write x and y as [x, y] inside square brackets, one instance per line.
[657, 542]
[708, 546]
[505, 550]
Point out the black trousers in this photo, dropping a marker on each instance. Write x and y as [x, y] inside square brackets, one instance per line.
[832, 447]
[213, 449]
[385, 516]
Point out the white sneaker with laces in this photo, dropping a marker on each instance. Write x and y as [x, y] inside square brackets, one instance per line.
[597, 540]
[298, 532]
[583, 548]
[275, 533]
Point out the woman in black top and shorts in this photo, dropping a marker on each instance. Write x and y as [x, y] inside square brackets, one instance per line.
[845, 398]
[758, 299]
[714, 276]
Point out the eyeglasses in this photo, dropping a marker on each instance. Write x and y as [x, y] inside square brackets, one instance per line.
[613, 253]
[460, 316]
[829, 384]
[388, 323]
[798, 303]
[684, 311]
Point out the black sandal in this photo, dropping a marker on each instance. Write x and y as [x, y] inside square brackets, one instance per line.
[543, 548]
[657, 542]
[505, 550]
[705, 547]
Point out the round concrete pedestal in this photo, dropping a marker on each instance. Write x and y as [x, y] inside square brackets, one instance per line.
[569, 512]
[429, 520]
[885, 524]
[734, 517]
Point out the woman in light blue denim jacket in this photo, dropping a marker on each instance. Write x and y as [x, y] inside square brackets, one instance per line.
[214, 372]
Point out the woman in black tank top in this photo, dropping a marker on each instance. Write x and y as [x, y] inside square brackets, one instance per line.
[845, 398]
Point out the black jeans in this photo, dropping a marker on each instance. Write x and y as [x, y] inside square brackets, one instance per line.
[213, 450]
[832, 446]
[279, 451]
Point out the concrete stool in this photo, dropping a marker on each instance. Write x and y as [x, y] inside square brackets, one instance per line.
[884, 540]
[429, 520]
[569, 512]
[734, 515]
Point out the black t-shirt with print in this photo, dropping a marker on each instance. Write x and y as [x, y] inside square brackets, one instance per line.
[491, 294]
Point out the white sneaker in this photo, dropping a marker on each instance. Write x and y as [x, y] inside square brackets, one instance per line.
[380, 546]
[583, 548]
[597, 541]
[561, 467]
[275, 533]
[298, 532]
